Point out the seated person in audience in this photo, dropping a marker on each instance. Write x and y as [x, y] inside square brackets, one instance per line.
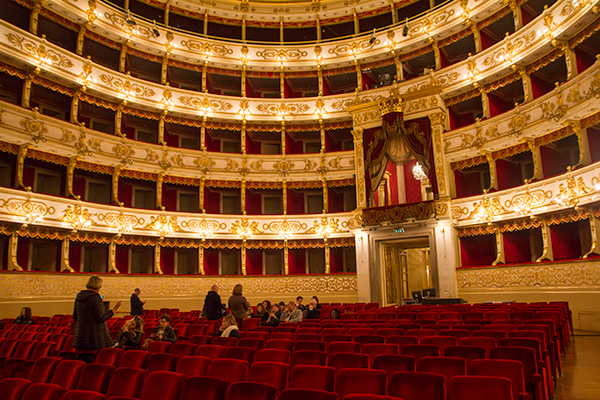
[229, 327]
[267, 305]
[131, 333]
[25, 317]
[261, 313]
[163, 331]
[315, 298]
[276, 310]
[272, 319]
[299, 304]
[311, 311]
[292, 314]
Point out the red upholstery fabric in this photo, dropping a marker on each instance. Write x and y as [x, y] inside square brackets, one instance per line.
[310, 345]
[486, 342]
[312, 377]
[282, 344]
[490, 333]
[375, 349]
[343, 347]
[420, 350]
[67, 374]
[337, 337]
[43, 370]
[82, 395]
[307, 357]
[362, 396]
[275, 355]
[211, 351]
[417, 386]
[240, 353]
[455, 333]
[135, 359]
[159, 347]
[250, 323]
[304, 394]
[362, 339]
[447, 366]
[127, 382]
[225, 341]
[402, 341]
[183, 349]
[201, 339]
[440, 341]
[255, 344]
[348, 360]
[95, 377]
[469, 353]
[162, 385]
[228, 369]
[510, 369]
[110, 355]
[197, 330]
[43, 391]
[162, 362]
[420, 333]
[394, 363]
[360, 331]
[282, 335]
[533, 380]
[478, 387]
[13, 388]
[272, 373]
[193, 365]
[205, 388]
[315, 337]
[357, 380]
[252, 390]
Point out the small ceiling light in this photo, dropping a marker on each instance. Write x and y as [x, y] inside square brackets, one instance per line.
[405, 29]
[155, 31]
[129, 20]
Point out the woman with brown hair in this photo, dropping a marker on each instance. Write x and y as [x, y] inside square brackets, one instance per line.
[131, 334]
[25, 317]
[229, 327]
[238, 305]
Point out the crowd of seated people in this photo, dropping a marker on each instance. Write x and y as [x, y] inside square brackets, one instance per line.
[512, 350]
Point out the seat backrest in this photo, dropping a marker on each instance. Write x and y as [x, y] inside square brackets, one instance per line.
[225, 341]
[362, 339]
[199, 340]
[283, 344]
[43, 391]
[478, 387]
[135, 359]
[95, 377]
[210, 350]
[337, 337]
[158, 346]
[228, 369]
[275, 355]
[162, 362]
[13, 388]
[303, 394]
[162, 385]
[343, 347]
[127, 382]
[523, 354]
[205, 388]
[510, 369]
[43, 369]
[252, 390]
[255, 344]
[24, 349]
[447, 366]
[67, 373]
[469, 353]
[403, 340]
[183, 349]
[110, 355]
[523, 342]
[282, 335]
[358, 380]
[417, 385]
[420, 350]
[193, 365]
[310, 345]
[308, 357]
[272, 373]
[257, 335]
[487, 342]
[348, 360]
[8, 346]
[240, 353]
[394, 363]
[312, 377]
[375, 349]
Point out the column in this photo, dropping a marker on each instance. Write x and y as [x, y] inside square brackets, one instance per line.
[281, 81]
[244, 27]
[399, 70]
[538, 172]
[115, 185]
[320, 77]
[436, 54]
[119, 118]
[205, 27]
[161, 128]
[286, 261]
[527, 88]
[65, 264]
[327, 258]
[322, 130]
[500, 259]
[35, 15]
[70, 170]
[201, 259]
[159, 189]
[359, 160]
[442, 170]
[157, 267]
[281, 30]
[243, 196]
[243, 80]
[80, 39]
[547, 254]
[570, 59]
[359, 84]
[13, 245]
[325, 194]
[167, 12]
[493, 172]
[203, 134]
[26, 96]
[284, 196]
[243, 137]
[112, 257]
[319, 33]
[20, 166]
[243, 251]
[476, 36]
[201, 194]
[75, 106]
[356, 24]
[283, 137]
[163, 69]
[485, 102]
[123, 56]
[204, 71]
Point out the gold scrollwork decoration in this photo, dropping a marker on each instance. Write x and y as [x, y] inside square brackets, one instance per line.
[285, 225]
[283, 108]
[282, 54]
[126, 87]
[205, 104]
[347, 49]
[204, 164]
[284, 167]
[206, 48]
[39, 52]
[35, 128]
[77, 217]
[124, 223]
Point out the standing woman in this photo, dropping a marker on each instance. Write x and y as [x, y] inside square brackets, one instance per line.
[238, 305]
[91, 333]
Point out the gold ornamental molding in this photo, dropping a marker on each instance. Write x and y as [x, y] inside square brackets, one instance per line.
[40, 286]
[576, 273]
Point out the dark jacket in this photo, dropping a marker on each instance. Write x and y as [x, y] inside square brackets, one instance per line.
[212, 306]
[91, 332]
[21, 320]
[129, 338]
[168, 335]
[239, 306]
[312, 314]
[137, 307]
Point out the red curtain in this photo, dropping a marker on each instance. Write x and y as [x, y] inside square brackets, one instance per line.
[212, 144]
[23, 252]
[169, 198]
[122, 259]
[211, 261]
[297, 261]
[125, 193]
[295, 201]
[79, 186]
[393, 183]
[584, 60]
[594, 145]
[336, 260]
[336, 200]
[508, 174]
[75, 255]
[167, 260]
[28, 175]
[254, 261]
[253, 202]
[412, 187]
[252, 146]
[516, 247]
[212, 201]
[566, 243]
[476, 251]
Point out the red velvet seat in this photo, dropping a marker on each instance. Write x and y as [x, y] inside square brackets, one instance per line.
[95, 377]
[251, 390]
[386, 332]
[308, 329]
[440, 341]
[255, 344]
[110, 356]
[183, 349]
[240, 353]
[162, 362]
[135, 359]
[394, 363]
[82, 395]
[362, 339]
[197, 330]
[193, 365]
[486, 342]
[162, 385]
[159, 347]
[199, 340]
[510, 369]
[312, 377]
[333, 331]
[250, 323]
[337, 338]
[358, 380]
[13, 388]
[360, 331]
[20, 368]
[283, 344]
[308, 357]
[469, 353]
[228, 369]
[272, 373]
[479, 387]
[348, 360]
[304, 394]
[343, 347]
[43, 369]
[375, 349]
[127, 382]
[282, 335]
[211, 351]
[225, 341]
[67, 374]
[275, 355]
[7, 348]
[310, 345]
[420, 350]
[205, 388]
[363, 396]
[43, 391]
[449, 315]
[447, 366]
[417, 386]
[402, 341]
[420, 333]
[257, 334]
[534, 383]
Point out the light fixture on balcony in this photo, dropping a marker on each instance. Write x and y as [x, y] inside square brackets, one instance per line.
[244, 229]
[33, 213]
[285, 235]
[130, 21]
[79, 218]
[419, 173]
[155, 31]
[325, 227]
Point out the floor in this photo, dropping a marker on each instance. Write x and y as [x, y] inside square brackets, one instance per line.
[580, 369]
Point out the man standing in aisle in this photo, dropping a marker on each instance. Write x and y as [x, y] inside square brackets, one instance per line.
[212, 304]
[137, 306]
